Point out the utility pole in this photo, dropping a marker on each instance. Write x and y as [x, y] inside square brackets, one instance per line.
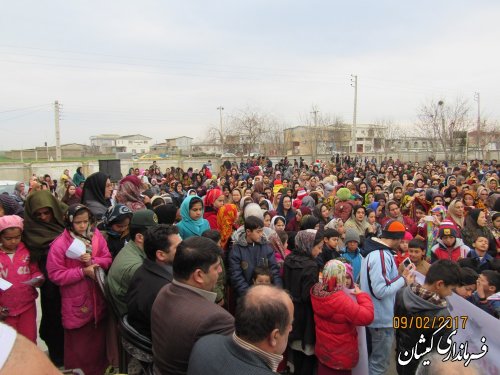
[477, 98]
[314, 144]
[220, 109]
[58, 134]
[354, 83]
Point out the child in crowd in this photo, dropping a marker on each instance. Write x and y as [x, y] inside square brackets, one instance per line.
[262, 276]
[278, 223]
[468, 283]
[416, 254]
[425, 301]
[330, 247]
[83, 305]
[192, 223]
[267, 219]
[478, 258]
[336, 316]
[215, 236]
[352, 252]
[402, 252]
[448, 246]
[251, 249]
[487, 295]
[115, 227]
[17, 303]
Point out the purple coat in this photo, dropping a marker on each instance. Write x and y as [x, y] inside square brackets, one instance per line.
[81, 298]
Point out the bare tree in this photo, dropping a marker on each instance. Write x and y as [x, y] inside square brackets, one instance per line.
[444, 123]
[249, 126]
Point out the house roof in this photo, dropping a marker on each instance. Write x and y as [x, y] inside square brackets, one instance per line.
[173, 139]
[135, 136]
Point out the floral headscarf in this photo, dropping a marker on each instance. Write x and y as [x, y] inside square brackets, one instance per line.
[334, 276]
[227, 216]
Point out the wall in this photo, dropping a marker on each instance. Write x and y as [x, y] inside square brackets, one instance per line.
[23, 171]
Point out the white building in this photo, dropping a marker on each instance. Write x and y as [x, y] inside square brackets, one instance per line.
[179, 144]
[136, 144]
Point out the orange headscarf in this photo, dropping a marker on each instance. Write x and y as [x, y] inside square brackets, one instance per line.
[227, 216]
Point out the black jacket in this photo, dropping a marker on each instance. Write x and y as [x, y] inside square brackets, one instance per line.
[326, 255]
[299, 275]
[144, 287]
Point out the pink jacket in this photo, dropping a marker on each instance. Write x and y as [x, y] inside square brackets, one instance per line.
[81, 298]
[19, 297]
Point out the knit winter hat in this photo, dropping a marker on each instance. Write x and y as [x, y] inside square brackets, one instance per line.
[393, 230]
[447, 229]
[10, 221]
[344, 194]
[351, 235]
[408, 236]
[301, 193]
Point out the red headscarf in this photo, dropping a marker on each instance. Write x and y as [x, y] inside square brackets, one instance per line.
[212, 196]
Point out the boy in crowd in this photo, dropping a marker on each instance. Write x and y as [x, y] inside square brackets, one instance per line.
[416, 254]
[352, 252]
[487, 295]
[249, 251]
[330, 243]
[448, 245]
[468, 283]
[425, 301]
[478, 258]
[262, 275]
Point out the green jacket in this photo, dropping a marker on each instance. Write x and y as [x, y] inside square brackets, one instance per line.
[128, 260]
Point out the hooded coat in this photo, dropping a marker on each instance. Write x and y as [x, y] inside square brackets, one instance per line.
[409, 304]
[453, 253]
[244, 257]
[336, 316]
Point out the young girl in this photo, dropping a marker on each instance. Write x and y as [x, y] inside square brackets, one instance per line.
[402, 252]
[83, 305]
[192, 223]
[336, 315]
[17, 303]
[278, 223]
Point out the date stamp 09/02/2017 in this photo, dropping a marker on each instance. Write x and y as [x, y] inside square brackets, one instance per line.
[426, 322]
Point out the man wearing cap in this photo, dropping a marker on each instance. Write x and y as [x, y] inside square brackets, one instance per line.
[380, 279]
[128, 260]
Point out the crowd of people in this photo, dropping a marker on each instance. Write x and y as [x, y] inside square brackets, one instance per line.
[250, 268]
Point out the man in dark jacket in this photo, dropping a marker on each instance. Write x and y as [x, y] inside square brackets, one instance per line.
[429, 304]
[185, 310]
[251, 250]
[262, 324]
[160, 244]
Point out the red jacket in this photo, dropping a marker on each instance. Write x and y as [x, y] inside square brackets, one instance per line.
[211, 217]
[336, 316]
[19, 297]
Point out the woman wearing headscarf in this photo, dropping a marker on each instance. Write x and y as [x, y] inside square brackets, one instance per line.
[129, 193]
[475, 226]
[393, 212]
[78, 177]
[456, 214]
[43, 223]
[178, 194]
[286, 210]
[301, 272]
[96, 194]
[19, 193]
[70, 197]
[192, 223]
[337, 315]
[213, 201]
[358, 222]
[9, 206]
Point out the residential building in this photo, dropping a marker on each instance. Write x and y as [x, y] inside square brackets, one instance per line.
[179, 145]
[137, 143]
[331, 139]
[104, 143]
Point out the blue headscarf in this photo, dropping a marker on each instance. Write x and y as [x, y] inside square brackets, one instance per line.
[187, 226]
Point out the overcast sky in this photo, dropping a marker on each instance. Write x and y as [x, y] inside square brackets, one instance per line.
[161, 68]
